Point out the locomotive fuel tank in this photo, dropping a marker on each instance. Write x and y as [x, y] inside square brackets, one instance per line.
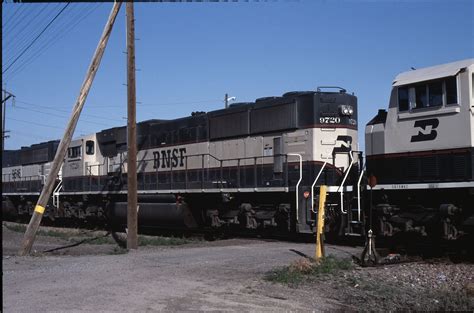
[167, 213]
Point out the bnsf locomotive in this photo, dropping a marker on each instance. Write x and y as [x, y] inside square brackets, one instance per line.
[421, 150]
[259, 165]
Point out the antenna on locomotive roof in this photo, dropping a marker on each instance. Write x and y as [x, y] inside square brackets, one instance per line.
[227, 99]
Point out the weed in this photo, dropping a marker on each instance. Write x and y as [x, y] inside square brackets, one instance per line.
[331, 265]
[304, 269]
[285, 275]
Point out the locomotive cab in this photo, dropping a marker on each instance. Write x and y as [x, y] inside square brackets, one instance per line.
[422, 152]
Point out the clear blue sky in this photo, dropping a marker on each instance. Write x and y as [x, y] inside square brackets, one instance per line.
[191, 54]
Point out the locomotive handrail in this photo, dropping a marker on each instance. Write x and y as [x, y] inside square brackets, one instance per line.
[299, 181]
[56, 193]
[358, 192]
[340, 189]
[314, 183]
[89, 168]
[205, 162]
[210, 155]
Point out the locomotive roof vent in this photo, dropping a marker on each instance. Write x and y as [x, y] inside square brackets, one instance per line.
[195, 113]
[266, 99]
[296, 93]
[341, 90]
[239, 104]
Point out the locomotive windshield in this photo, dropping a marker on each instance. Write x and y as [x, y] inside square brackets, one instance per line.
[435, 93]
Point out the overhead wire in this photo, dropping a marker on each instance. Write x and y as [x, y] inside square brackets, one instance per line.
[28, 36]
[20, 8]
[33, 30]
[11, 17]
[43, 125]
[53, 108]
[161, 104]
[36, 38]
[22, 43]
[29, 135]
[54, 39]
[46, 45]
[58, 115]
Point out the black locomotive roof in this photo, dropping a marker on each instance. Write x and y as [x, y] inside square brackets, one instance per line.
[293, 94]
[36, 153]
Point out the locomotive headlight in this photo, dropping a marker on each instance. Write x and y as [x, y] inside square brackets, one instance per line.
[346, 110]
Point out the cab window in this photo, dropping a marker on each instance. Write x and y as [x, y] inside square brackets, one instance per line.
[74, 152]
[435, 90]
[403, 99]
[89, 147]
[435, 93]
[451, 91]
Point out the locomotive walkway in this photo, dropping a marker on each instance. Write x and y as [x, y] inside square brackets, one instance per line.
[222, 275]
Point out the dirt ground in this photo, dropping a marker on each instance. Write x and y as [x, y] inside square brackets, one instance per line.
[224, 275]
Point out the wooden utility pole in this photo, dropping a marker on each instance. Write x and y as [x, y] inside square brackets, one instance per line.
[6, 96]
[43, 200]
[132, 224]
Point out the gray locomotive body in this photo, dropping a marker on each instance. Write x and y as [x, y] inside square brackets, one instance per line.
[259, 165]
[252, 165]
[421, 152]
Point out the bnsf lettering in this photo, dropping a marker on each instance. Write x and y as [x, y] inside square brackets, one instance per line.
[169, 158]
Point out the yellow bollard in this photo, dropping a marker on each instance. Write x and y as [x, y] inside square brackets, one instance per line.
[320, 224]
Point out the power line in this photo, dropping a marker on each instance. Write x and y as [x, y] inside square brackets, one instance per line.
[25, 26]
[26, 37]
[66, 111]
[42, 125]
[160, 104]
[54, 40]
[11, 18]
[24, 16]
[57, 115]
[48, 44]
[47, 26]
[22, 43]
[20, 8]
[29, 135]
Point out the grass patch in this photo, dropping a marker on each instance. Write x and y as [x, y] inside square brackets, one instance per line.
[53, 233]
[99, 241]
[142, 240]
[162, 241]
[20, 228]
[304, 269]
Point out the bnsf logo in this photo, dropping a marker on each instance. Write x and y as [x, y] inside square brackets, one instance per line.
[169, 158]
[427, 131]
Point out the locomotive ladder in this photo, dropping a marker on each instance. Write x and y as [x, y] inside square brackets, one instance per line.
[353, 210]
[57, 192]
